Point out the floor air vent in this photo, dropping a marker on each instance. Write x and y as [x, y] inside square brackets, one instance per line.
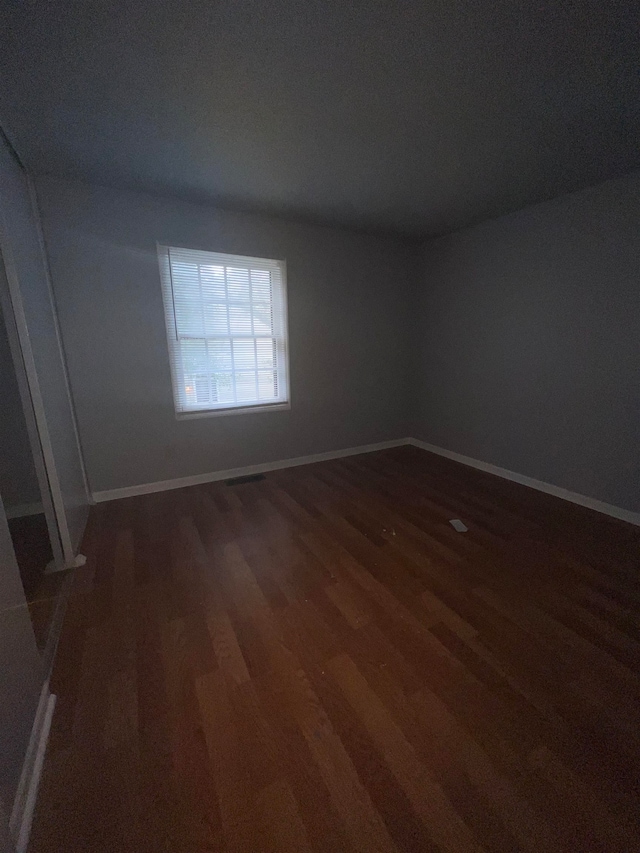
[250, 478]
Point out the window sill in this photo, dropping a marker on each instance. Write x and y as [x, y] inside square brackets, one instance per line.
[245, 410]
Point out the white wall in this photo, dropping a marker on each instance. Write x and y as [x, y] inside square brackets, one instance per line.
[529, 345]
[349, 317]
[514, 342]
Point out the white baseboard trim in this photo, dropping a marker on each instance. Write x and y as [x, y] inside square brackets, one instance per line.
[20, 510]
[52, 567]
[539, 485]
[25, 799]
[199, 479]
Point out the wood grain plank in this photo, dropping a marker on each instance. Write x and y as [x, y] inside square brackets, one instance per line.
[425, 795]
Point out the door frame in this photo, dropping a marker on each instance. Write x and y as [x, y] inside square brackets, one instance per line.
[32, 405]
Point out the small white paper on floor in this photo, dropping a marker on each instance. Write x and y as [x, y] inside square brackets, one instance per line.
[458, 525]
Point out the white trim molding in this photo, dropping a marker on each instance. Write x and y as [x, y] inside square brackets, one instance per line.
[52, 567]
[539, 485]
[199, 479]
[50, 485]
[25, 799]
[35, 206]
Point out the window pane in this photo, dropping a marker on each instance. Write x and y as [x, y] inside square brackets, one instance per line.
[212, 281]
[220, 355]
[202, 389]
[216, 319]
[266, 385]
[223, 387]
[238, 283]
[266, 353]
[194, 357]
[190, 389]
[262, 319]
[240, 319]
[261, 285]
[246, 387]
[188, 316]
[244, 357]
[184, 270]
[188, 312]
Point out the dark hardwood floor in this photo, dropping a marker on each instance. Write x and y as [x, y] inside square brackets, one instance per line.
[32, 547]
[320, 662]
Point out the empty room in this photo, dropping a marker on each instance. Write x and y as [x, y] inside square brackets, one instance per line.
[319, 426]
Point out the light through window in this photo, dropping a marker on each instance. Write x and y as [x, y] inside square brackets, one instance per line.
[226, 329]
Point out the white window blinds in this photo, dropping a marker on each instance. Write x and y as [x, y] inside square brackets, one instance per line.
[226, 321]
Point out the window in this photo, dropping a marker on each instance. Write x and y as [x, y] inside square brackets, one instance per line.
[226, 321]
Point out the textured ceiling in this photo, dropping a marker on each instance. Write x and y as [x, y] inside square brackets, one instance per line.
[416, 117]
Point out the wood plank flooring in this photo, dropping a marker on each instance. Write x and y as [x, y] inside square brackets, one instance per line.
[319, 662]
[32, 547]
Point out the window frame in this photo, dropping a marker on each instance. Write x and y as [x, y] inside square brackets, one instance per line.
[241, 408]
